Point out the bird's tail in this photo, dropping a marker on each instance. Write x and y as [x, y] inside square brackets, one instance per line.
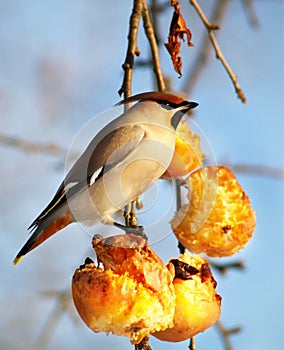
[45, 228]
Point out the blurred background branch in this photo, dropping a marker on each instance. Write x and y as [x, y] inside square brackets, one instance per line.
[56, 150]
[32, 147]
[63, 304]
[226, 334]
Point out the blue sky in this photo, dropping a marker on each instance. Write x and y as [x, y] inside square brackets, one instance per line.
[60, 65]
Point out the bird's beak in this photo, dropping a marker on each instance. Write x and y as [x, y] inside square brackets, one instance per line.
[189, 106]
[181, 111]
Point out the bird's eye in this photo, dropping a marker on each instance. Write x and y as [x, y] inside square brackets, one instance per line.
[166, 105]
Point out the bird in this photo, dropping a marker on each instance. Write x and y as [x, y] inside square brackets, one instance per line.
[121, 162]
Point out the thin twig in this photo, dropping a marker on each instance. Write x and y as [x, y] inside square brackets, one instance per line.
[250, 12]
[192, 345]
[132, 49]
[223, 268]
[150, 34]
[258, 170]
[202, 58]
[226, 333]
[178, 184]
[32, 147]
[156, 9]
[207, 23]
[63, 304]
[219, 55]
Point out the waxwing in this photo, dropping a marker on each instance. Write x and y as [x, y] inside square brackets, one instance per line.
[121, 162]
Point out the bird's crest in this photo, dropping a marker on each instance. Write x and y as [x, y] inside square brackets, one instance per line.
[160, 97]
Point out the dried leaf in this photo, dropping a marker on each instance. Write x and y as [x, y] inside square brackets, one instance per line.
[178, 29]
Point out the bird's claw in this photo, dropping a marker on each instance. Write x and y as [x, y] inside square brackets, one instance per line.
[134, 230]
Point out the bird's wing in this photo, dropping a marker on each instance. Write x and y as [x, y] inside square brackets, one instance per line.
[99, 157]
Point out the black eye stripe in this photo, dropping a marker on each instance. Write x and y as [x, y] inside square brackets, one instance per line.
[171, 105]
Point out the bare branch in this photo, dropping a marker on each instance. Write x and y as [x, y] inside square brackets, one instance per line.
[203, 56]
[257, 169]
[132, 48]
[226, 333]
[32, 147]
[63, 304]
[207, 23]
[156, 9]
[150, 34]
[178, 184]
[250, 12]
[192, 345]
[210, 28]
[223, 268]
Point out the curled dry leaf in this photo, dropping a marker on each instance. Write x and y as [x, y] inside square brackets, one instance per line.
[178, 29]
[219, 219]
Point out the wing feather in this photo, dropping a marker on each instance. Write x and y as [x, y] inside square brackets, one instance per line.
[103, 154]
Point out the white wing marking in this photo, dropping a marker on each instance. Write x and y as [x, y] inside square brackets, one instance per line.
[95, 175]
[68, 186]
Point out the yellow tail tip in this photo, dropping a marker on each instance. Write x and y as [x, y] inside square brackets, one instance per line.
[17, 259]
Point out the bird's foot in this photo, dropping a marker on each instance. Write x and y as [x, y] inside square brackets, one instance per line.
[134, 230]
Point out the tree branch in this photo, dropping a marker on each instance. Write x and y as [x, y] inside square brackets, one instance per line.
[223, 268]
[250, 12]
[210, 28]
[178, 184]
[32, 147]
[63, 304]
[150, 34]
[192, 345]
[132, 49]
[257, 170]
[226, 333]
[203, 55]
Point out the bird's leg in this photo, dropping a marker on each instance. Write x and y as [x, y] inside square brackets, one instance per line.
[130, 213]
[143, 345]
[139, 204]
[131, 225]
[126, 214]
[135, 230]
[133, 217]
